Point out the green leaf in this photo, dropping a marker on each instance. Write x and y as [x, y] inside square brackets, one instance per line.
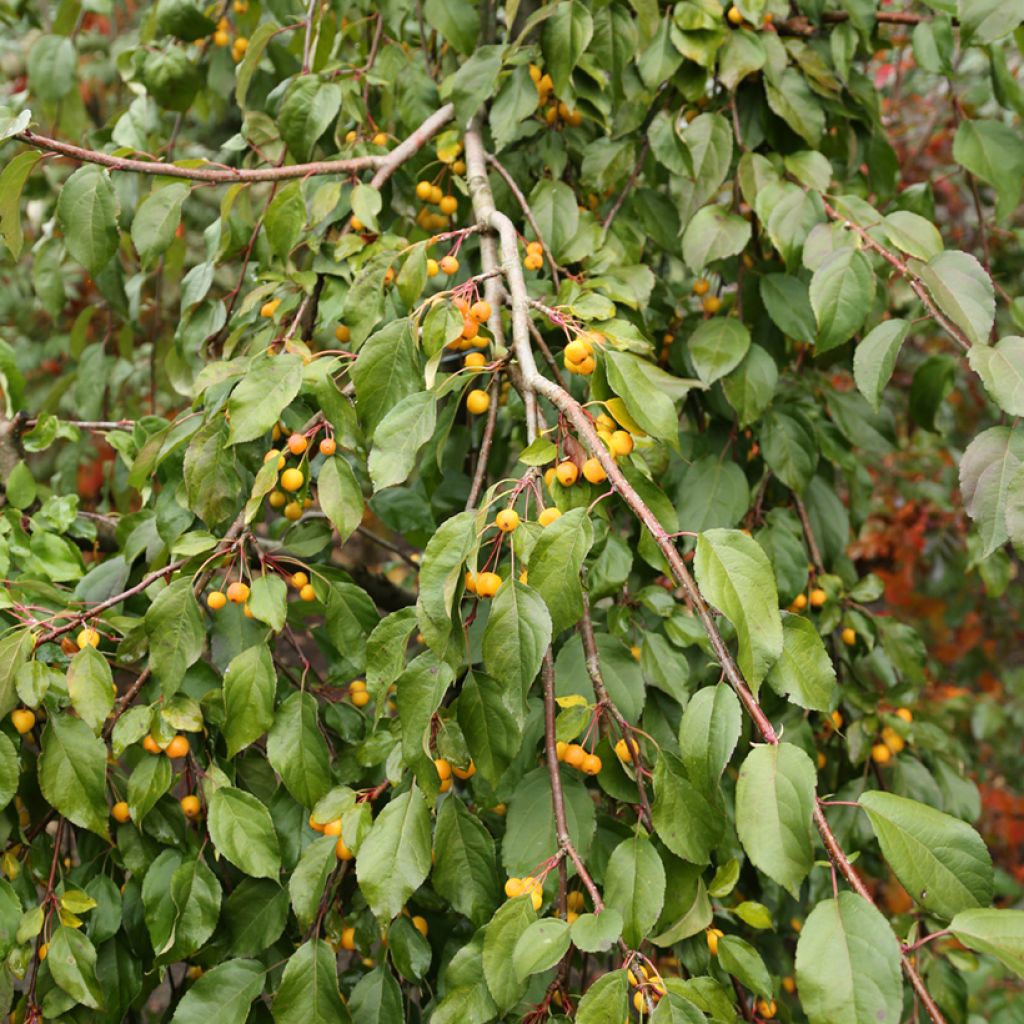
[913, 233]
[791, 98]
[91, 687]
[564, 38]
[742, 961]
[171, 78]
[255, 915]
[741, 55]
[265, 391]
[474, 82]
[790, 448]
[875, 358]
[490, 719]
[308, 993]
[734, 574]
[150, 779]
[176, 634]
[441, 575]
[464, 872]
[606, 1001]
[963, 291]
[634, 885]
[285, 219]
[340, 496]
[184, 20]
[457, 20]
[1001, 368]
[250, 684]
[394, 859]
[804, 673]
[10, 771]
[713, 234]
[530, 831]
[308, 880]
[297, 750]
[72, 962]
[212, 481]
[988, 470]
[366, 204]
[718, 346]
[250, 62]
[684, 819]
[87, 210]
[596, 933]
[516, 100]
[377, 999]
[749, 388]
[516, 637]
[399, 437]
[73, 772]
[501, 937]
[268, 601]
[555, 564]
[12, 181]
[385, 373]
[242, 831]
[223, 994]
[157, 219]
[842, 291]
[307, 111]
[51, 66]
[940, 860]
[540, 947]
[708, 733]
[994, 152]
[848, 964]
[641, 385]
[774, 804]
[999, 933]
[789, 305]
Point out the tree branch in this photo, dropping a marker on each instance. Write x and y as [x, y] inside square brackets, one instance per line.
[382, 163]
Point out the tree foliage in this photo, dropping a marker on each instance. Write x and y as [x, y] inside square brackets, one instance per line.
[485, 511]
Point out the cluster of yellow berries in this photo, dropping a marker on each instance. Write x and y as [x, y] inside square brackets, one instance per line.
[87, 637]
[222, 37]
[483, 584]
[285, 497]
[816, 599]
[578, 355]
[177, 748]
[576, 757]
[431, 194]
[573, 905]
[445, 771]
[332, 828]
[377, 139]
[190, 807]
[237, 593]
[711, 304]
[473, 315]
[528, 886]
[534, 256]
[357, 693]
[891, 742]
[545, 86]
[648, 985]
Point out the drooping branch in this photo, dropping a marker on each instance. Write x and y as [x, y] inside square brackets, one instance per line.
[383, 164]
[533, 381]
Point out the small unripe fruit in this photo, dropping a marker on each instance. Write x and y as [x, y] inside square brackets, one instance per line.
[593, 471]
[735, 16]
[470, 581]
[432, 268]
[341, 851]
[514, 888]
[299, 580]
[436, 195]
[487, 584]
[221, 38]
[701, 286]
[328, 446]
[292, 479]
[560, 748]
[507, 520]
[578, 350]
[420, 924]
[43, 950]
[307, 593]
[333, 828]
[149, 744]
[622, 749]
[449, 265]
[272, 455]
[465, 773]
[315, 825]
[480, 311]
[23, 720]
[348, 938]
[478, 402]
[548, 516]
[881, 754]
[360, 698]
[269, 308]
[357, 684]
[293, 511]
[799, 602]
[765, 1007]
[905, 713]
[190, 806]
[446, 784]
[423, 191]
[278, 499]
[216, 600]
[591, 764]
[178, 747]
[449, 204]
[342, 333]
[444, 769]
[567, 473]
[120, 812]
[380, 139]
[713, 935]
[238, 592]
[712, 304]
[88, 637]
[893, 740]
[818, 597]
[297, 444]
[475, 360]
[849, 636]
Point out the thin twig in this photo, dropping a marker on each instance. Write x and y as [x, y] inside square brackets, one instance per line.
[480, 473]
